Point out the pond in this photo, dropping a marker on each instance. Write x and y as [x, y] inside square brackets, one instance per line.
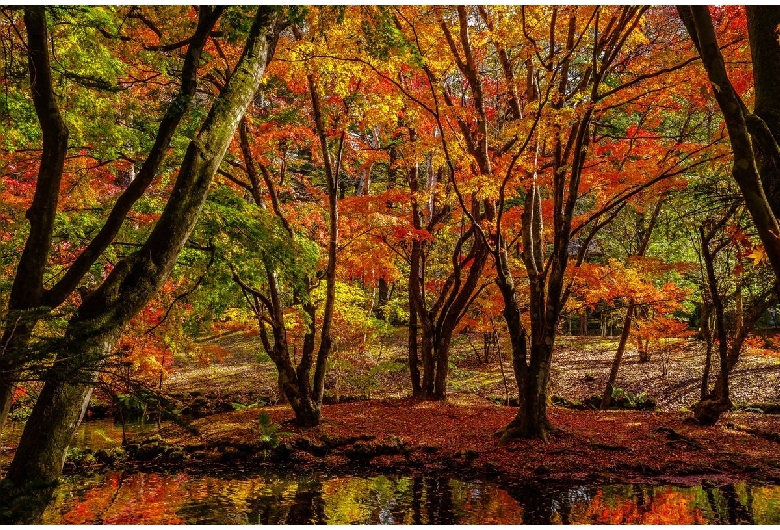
[98, 434]
[152, 498]
[270, 498]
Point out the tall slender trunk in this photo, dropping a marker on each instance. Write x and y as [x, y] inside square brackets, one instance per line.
[27, 291]
[331, 177]
[644, 234]
[414, 358]
[606, 399]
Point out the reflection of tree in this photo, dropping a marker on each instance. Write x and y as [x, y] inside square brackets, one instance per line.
[726, 506]
[417, 499]
[438, 501]
[308, 506]
[737, 512]
[537, 503]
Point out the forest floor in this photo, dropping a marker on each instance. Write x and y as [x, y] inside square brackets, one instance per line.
[392, 433]
[374, 427]
[234, 373]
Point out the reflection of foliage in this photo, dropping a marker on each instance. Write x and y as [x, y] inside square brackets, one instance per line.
[664, 505]
[149, 498]
[763, 502]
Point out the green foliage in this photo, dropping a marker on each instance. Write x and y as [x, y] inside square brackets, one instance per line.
[132, 406]
[628, 400]
[269, 433]
[250, 241]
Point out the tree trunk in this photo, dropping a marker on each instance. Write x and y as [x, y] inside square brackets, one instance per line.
[708, 410]
[744, 129]
[606, 399]
[58, 412]
[27, 290]
[30, 271]
[706, 333]
[531, 420]
[135, 280]
[414, 287]
[442, 365]
[384, 297]
[765, 51]
[429, 361]
[331, 177]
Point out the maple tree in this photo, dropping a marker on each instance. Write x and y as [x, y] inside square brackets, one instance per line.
[549, 139]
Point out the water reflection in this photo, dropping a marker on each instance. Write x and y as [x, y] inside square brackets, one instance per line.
[97, 434]
[151, 498]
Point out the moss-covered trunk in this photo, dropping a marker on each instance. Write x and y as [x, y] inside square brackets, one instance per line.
[29, 301]
[136, 279]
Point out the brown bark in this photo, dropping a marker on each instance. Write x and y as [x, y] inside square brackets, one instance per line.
[606, 399]
[304, 395]
[27, 290]
[765, 51]
[546, 273]
[414, 287]
[331, 177]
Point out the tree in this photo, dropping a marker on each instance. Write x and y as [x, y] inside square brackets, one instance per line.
[93, 330]
[717, 237]
[551, 152]
[30, 301]
[753, 135]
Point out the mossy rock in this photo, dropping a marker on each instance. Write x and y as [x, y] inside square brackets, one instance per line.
[110, 456]
[561, 401]
[501, 400]
[365, 450]
[313, 447]
[765, 408]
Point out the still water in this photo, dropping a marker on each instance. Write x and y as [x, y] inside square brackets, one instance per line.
[151, 498]
[157, 498]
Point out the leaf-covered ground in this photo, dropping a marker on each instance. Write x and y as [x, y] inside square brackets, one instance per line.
[402, 435]
[391, 432]
[580, 369]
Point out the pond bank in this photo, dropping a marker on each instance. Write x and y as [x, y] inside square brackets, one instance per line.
[408, 436]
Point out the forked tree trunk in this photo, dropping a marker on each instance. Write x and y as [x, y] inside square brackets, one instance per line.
[91, 334]
[745, 129]
[27, 292]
